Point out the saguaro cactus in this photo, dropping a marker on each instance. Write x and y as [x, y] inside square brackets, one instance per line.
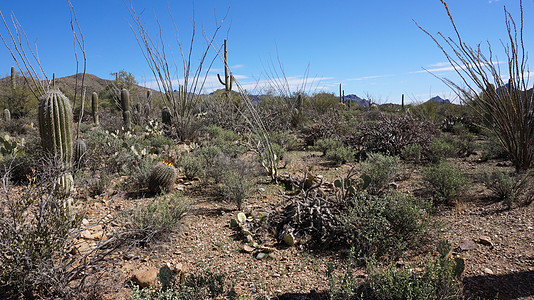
[80, 148]
[126, 115]
[13, 82]
[228, 77]
[55, 129]
[94, 107]
[6, 115]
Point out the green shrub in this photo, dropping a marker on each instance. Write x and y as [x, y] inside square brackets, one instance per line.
[340, 155]
[412, 152]
[205, 285]
[154, 221]
[285, 139]
[441, 148]
[380, 169]
[387, 224]
[445, 180]
[507, 188]
[191, 166]
[235, 187]
[325, 145]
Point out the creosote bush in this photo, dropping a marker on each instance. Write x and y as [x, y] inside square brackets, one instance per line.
[445, 181]
[154, 221]
[381, 170]
[507, 188]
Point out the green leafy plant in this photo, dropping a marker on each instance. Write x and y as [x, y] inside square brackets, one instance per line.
[154, 221]
[505, 187]
[412, 152]
[445, 180]
[380, 169]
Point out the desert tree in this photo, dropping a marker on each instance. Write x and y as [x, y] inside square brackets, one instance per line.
[501, 98]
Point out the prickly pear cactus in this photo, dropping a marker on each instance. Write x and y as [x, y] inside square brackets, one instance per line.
[80, 148]
[6, 115]
[162, 178]
[94, 107]
[166, 116]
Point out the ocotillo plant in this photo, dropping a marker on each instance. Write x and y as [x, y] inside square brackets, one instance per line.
[228, 77]
[6, 115]
[126, 115]
[13, 83]
[55, 129]
[94, 107]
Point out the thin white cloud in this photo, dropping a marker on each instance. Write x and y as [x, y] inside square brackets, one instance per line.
[368, 77]
[449, 68]
[440, 64]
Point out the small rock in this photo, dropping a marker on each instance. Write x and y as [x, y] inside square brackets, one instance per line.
[488, 271]
[180, 187]
[394, 185]
[485, 240]
[261, 255]
[85, 222]
[276, 275]
[467, 245]
[145, 278]
[248, 248]
[261, 190]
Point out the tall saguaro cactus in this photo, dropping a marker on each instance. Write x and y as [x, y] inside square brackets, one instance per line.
[228, 77]
[94, 107]
[126, 114]
[13, 82]
[55, 129]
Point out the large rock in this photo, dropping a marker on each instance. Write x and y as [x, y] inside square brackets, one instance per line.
[145, 278]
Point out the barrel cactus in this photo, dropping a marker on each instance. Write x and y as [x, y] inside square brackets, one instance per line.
[6, 115]
[94, 107]
[55, 129]
[126, 115]
[80, 148]
[166, 116]
[162, 178]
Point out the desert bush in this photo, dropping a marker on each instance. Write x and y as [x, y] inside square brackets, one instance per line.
[438, 280]
[234, 187]
[154, 221]
[507, 188]
[285, 139]
[412, 152]
[202, 285]
[38, 233]
[491, 149]
[392, 133]
[380, 169]
[441, 148]
[324, 145]
[445, 181]
[191, 166]
[384, 225]
[340, 155]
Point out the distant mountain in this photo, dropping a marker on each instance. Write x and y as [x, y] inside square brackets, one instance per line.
[356, 100]
[438, 99]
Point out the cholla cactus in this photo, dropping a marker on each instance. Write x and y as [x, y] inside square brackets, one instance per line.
[162, 177]
[6, 115]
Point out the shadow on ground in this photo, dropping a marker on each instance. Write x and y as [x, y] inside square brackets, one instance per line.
[505, 286]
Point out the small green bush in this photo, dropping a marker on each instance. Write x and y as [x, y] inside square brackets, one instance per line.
[340, 155]
[205, 285]
[235, 187]
[384, 225]
[412, 152]
[191, 166]
[152, 222]
[445, 180]
[380, 169]
[326, 144]
[505, 187]
[441, 148]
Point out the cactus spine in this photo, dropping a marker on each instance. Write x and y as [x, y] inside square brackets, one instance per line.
[162, 178]
[13, 82]
[7, 115]
[94, 107]
[228, 77]
[126, 115]
[55, 129]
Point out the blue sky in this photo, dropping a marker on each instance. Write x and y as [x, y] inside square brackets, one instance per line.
[372, 47]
